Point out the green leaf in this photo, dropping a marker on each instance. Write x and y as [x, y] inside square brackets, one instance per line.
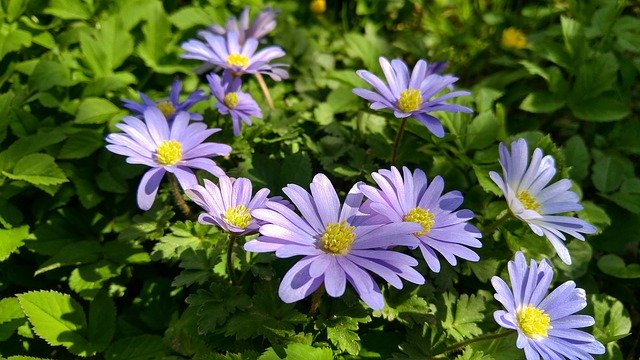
[29, 145]
[342, 333]
[87, 280]
[482, 131]
[299, 351]
[190, 16]
[594, 215]
[614, 265]
[363, 48]
[323, 114]
[58, 319]
[595, 76]
[102, 321]
[609, 171]
[81, 144]
[216, 305]
[606, 107]
[143, 347]
[581, 254]
[577, 156]
[157, 36]
[462, 315]
[342, 99]
[482, 174]
[574, 38]
[13, 39]
[38, 169]
[542, 102]
[11, 317]
[48, 74]
[629, 195]
[407, 307]
[612, 319]
[68, 9]
[485, 98]
[76, 253]
[11, 240]
[96, 111]
[125, 252]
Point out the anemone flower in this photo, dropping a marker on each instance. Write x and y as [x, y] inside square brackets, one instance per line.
[176, 148]
[409, 94]
[169, 107]
[546, 325]
[228, 53]
[443, 228]
[231, 101]
[336, 246]
[532, 200]
[263, 24]
[229, 204]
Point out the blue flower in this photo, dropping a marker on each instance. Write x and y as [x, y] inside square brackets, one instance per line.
[169, 107]
[532, 200]
[232, 101]
[263, 24]
[409, 94]
[546, 325]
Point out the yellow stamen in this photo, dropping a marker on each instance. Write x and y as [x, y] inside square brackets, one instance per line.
[514, 38]
[422, 217]
[337, 238]
[410, 100]
[528, 201]
[169, 152]
[236, 59]
[533, 322]
[166, 108]
[231, 100]
[238, 216]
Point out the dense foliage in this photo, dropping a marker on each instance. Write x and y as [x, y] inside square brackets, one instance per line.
[84, 272]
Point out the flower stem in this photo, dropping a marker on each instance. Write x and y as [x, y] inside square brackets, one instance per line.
[316, 298]
[230, 268]
[177, 196]
[396, 142]
[265, 90]
[443, 354]
[496, 224]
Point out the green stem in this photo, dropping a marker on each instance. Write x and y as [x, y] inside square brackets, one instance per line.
[316, 299]
[396, 142]
[443, 354]
[488, 231]
[177, 196]
[230, 267]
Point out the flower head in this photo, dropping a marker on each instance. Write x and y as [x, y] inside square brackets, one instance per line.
[444, 229]
[232, 101]
[228, 53]
[177, 148]
[336, 244]
[546, 325]
[229, 204]
[263, 24]
[524, 186]
[169, 107]
[514, 38]
[409, 94]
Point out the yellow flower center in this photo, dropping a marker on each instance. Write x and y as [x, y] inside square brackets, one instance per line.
[422, 217]
[533, 322]
[166, 108]
[410, 100]
[514, 38]
[169, 152]
[236, 59]
[528, 201]
[337, 238]
[231, 100]
[238, 216]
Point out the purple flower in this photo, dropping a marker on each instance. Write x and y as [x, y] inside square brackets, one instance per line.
[263, 24]
[530, 199]
[336, 246]
[443, 229]
[229, 205]
[177, 148]
[169, 107]
[227, 53]
[408, 94]
[546, 325]
[232, 101]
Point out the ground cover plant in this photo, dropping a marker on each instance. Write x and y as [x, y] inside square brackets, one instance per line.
[399, 179]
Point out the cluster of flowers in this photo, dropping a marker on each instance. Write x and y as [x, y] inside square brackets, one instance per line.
[347, 242]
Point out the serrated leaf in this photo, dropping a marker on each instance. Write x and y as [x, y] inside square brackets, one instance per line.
[102, 321]
[87, 280]
[462, 315]
[29, 145]
[11, 317]
[614, 265]
[341, 331]
[612, 319]
[58, 319]
[216, 305]
[94, 110]
[11, 240]
[299, 351]
[38, 169]
[143, 347]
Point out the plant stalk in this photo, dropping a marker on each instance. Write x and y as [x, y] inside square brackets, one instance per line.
[265, 90]
[177, 196]
[443, 354]
[396, 142]
[316, 299]
[230, 269]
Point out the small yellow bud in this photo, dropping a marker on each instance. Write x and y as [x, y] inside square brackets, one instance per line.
[318, 6]
[514, 38]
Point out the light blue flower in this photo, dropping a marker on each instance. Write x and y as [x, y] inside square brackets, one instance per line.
[169, 107]
[231, 101]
